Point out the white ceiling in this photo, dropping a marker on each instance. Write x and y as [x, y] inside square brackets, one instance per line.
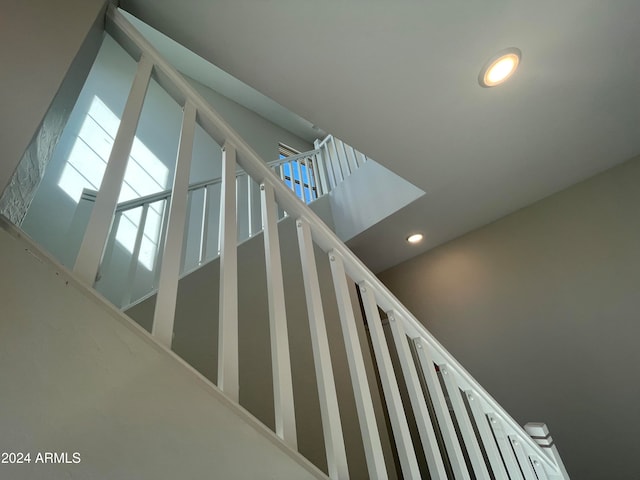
[398, 81]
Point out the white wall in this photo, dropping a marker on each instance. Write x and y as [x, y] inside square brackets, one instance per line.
[50, 216]
[366, 197]
[79, 377]
[39, 40]
[542, 308]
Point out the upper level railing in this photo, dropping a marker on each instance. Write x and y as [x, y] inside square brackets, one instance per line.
[473, 438]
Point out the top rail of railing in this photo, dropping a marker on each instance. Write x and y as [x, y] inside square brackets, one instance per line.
[212, 122]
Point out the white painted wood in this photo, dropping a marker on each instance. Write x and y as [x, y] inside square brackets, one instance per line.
[488, 442]
[341, 152]
[504, 446]
[164, 314]
[539, 432]
[351, 157]
[362, 394]
[97, 232]
[111, 242]
[522, 458]
[280, 358]
[161, 239]
[299, 169]
[321, 178]
[416, 396]
[185, 234]
[329, 412]
[250, 209]
[133, 265]
[336, 161]
[464, 423]
[228, 371]
[395, 409]
[538, 468]
[316, 175]
[308, 196]
[204, 225]
[333, 181]
[441, 410]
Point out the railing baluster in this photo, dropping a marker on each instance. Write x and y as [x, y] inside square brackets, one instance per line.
[228, 372]
[395, 409]
[321, 177]
[538, 468]
[280, 358]
[250, 209]
[185, 242]
[316, 176]
[97, 232]
[299, 169]
[464, 424]
[489, 443]
[522, 458]
[441, 409]
[329, 412]
[362, 394]
[308, 196]
[133, 265]
[166, 298]
[161, 239]
[336, 162]
[204, 232]
[333, 180]
[418, 402]
[541, 436]
[347, 164]
[506, 451]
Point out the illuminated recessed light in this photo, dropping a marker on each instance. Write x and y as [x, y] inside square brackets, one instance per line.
[415, 238]
[500, 68]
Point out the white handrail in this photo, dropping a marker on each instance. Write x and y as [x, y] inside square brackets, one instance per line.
[323, 236]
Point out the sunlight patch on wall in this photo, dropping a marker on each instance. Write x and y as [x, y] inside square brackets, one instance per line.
[145, 175]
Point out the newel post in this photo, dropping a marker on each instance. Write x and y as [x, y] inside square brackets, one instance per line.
[540, 434]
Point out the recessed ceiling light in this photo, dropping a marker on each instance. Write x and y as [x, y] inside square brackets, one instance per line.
[415, 238]
[500, 67]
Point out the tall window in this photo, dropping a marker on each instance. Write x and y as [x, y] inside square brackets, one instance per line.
[298, 173]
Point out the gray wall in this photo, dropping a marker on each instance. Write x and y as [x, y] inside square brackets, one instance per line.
[39, 40]
[196, 341]
[79, 377]
[542, 308]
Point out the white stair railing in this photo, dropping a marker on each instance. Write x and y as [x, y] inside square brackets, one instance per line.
[493, 442]
[302, 173]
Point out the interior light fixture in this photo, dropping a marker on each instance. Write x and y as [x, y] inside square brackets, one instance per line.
[500, 67]
[415, 238]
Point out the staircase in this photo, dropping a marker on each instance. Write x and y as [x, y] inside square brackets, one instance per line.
[310, 175]
[418, 412]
